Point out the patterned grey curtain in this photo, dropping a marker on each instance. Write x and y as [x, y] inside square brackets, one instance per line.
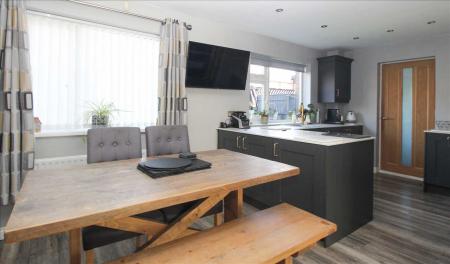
[172, 108]
[16, 100]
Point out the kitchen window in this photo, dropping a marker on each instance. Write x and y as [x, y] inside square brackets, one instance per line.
[276, 88]
[77, 64]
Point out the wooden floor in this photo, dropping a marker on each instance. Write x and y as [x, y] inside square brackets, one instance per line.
[409, 227]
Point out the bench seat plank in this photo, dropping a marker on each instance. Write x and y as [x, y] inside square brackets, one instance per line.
[267, 236]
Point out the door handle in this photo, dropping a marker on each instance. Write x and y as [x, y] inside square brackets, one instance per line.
[237, 142]
[386, 118]
[275, 145]
[243, 143]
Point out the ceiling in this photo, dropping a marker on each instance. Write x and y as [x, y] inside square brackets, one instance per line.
[301, 21]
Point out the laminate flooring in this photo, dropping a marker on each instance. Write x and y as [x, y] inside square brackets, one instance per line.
[409, 226]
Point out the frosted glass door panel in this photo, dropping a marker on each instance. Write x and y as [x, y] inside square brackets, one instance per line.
[407, 120]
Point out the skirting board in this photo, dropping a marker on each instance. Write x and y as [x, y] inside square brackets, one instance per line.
[401, 175]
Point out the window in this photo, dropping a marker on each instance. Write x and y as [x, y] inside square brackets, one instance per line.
[275, 88]
[76, 64]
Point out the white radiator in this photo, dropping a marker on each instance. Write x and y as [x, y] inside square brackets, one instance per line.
[59, 162]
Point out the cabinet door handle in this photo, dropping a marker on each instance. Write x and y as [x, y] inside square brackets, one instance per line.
[337, 92]
[243, 143]
[237, 142]
[275, 145]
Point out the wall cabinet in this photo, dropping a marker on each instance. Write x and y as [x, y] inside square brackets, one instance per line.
[334, 79]
[437, 162]
[335, 182]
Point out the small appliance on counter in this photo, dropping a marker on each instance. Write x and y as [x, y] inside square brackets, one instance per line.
[334, 116]
[351, 117]
[239, 119]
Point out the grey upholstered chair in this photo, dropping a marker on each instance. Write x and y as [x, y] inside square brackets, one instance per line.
[108, 144]
[113, 143]
[119, 143]
[164, 140]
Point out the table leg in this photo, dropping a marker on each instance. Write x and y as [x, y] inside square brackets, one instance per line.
[75, 246]
[176, 229]
[233, 205]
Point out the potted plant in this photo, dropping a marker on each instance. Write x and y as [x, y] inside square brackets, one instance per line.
[101, 114]
[264, 117]
[312, 112]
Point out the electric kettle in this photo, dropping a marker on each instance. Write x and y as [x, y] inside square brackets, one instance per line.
[351, 117]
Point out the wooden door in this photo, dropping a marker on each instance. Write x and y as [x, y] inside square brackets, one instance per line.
[407, 110]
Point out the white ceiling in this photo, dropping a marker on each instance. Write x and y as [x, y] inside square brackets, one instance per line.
[301, 20]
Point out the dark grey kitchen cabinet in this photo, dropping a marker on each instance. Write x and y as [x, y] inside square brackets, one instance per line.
[437, 162]
[335, 182]
[268, 194]
[334, 79]
[264, 195]
[342, 129]
[230, 140]
[257, 146]
[303, 191]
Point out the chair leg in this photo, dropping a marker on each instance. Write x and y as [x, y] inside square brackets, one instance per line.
[218, 219]
[140, 240]
[90, 256]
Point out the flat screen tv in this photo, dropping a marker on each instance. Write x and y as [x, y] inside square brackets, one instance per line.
[215, 67]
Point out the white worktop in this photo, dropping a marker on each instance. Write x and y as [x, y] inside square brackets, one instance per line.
[310, 126]
[438, 131]
[298, 134]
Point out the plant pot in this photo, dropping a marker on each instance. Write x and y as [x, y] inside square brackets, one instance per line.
[264, 120]
[312, 117]
[100, 120]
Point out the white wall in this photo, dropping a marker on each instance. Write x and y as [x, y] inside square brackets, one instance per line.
[207, 107]
[365, 90]
[365, 79]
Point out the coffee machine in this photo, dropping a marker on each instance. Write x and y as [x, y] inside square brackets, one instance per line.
[238, 119]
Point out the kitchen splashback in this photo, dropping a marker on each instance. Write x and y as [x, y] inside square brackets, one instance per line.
[443, 125]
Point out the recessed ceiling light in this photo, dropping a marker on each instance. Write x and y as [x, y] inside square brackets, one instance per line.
[324, 26]
[279, 10]
[431, 22]
[390, 30]
[355, 38]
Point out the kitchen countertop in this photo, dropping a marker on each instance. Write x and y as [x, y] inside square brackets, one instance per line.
[296, 133]
[438, 131]
[310, 126]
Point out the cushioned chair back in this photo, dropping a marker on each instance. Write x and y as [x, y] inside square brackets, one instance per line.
[113, 143]
[164, 140]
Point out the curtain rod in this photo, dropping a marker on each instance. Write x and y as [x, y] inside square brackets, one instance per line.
[188, 27]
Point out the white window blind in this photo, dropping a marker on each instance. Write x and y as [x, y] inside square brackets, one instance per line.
[76, 63]
[266, 61]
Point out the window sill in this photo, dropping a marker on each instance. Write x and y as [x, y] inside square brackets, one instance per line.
[61, 133]
[271, 123]
[69, 132]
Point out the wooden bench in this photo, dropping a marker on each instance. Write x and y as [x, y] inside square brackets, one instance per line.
[269, 236]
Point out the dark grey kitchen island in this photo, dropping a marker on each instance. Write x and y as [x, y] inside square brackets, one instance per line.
[336, 174]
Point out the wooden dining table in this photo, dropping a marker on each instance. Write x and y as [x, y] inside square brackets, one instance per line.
[110, 193]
